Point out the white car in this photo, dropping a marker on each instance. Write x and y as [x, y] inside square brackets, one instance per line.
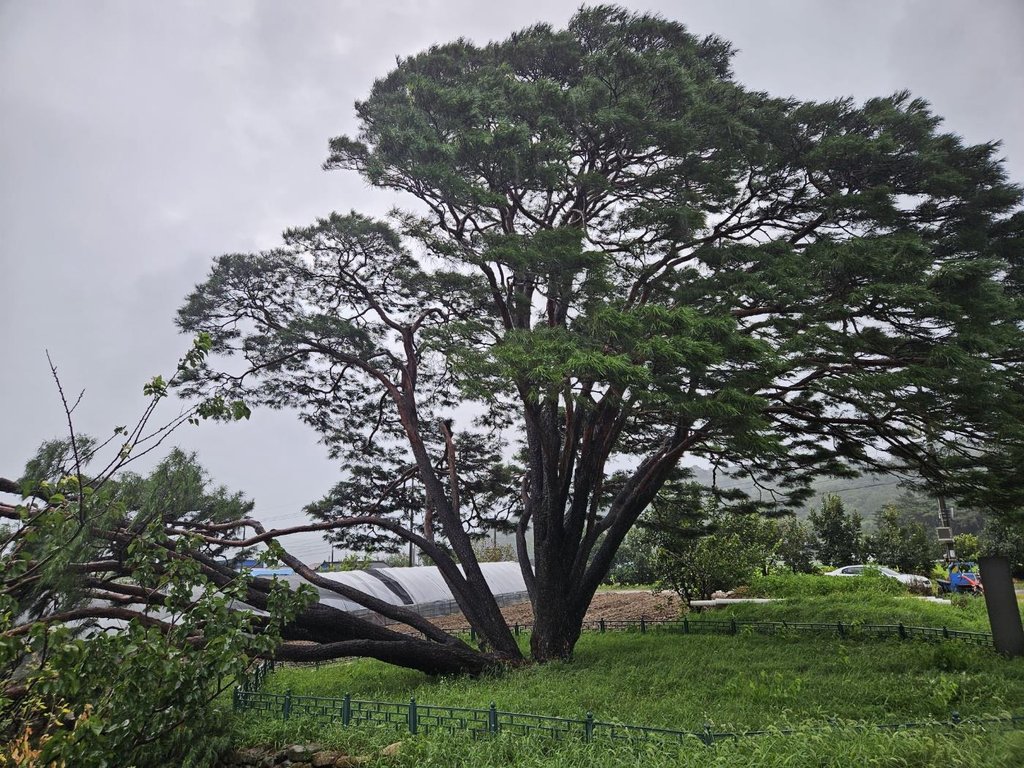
[906, 578]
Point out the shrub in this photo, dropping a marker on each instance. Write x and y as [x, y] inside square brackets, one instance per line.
[796, 585]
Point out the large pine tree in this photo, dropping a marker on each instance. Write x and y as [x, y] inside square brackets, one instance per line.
[621, 258]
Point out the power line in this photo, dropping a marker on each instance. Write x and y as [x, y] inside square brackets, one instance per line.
[859, 487]
[751, 484]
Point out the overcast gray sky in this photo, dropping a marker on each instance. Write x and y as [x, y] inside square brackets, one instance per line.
[141, 138]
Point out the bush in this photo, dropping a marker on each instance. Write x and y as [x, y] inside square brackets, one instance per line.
[796, 585]
[866, 608]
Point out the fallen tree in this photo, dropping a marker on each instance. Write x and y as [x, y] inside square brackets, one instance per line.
[125, 613]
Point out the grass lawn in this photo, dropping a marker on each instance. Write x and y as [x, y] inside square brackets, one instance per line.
[966, 613]
[681, 681]
[674, 681]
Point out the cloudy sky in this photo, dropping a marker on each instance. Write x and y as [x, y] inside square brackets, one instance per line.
[140, 138]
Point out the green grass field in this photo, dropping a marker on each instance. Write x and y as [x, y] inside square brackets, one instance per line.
[967, 613]
[747, 681]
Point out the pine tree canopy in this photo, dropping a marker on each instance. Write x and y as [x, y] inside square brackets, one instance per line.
[611, 255]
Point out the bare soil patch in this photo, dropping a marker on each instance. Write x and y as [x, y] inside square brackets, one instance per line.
[616, 606]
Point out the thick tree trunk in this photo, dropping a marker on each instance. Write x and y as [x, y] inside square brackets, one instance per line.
[554, 636]
[556, 622]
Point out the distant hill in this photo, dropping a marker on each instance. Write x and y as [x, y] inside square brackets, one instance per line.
[868, 494]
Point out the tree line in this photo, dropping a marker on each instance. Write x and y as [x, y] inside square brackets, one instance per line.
[696, 547]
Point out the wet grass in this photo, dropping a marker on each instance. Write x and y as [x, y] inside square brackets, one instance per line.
[670, 680]
[966, 613]
[837, 747]
[748, 681]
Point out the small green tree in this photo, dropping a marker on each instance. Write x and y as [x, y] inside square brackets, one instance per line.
[1005, 537]
[838, 533]
[967, 546]
[703, 546]
[796, 545]
[763, 540]
[636, 560]
[904, 546]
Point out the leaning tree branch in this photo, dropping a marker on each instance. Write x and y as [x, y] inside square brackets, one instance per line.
[407, 653]
[95, 612]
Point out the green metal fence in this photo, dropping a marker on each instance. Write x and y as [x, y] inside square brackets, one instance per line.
[735, 626]
[414, 718]
[840, 628]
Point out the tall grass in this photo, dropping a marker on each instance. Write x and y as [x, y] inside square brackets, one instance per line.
[748, 681]
[821, 750]
[837, 747]
[680, 681]
[868, 599]
[799, 585]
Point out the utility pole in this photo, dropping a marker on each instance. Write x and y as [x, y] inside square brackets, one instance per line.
[944, 532]
[411, 521]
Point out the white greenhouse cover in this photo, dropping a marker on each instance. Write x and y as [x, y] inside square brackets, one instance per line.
[412, 586]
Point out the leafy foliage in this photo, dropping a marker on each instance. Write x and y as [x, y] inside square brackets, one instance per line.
[489, 552]
[703, 547]
[134, 689]
[1005, 537]
[902, 546]
[797, 545]
[119, 625]
[636, 560]
[838, 533]
[967, 546]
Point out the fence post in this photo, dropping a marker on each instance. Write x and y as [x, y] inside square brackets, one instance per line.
[588, 727]
[346, 709]
[413, 719]
[732, 625]
[707, 735]
[601, 623]
[472, 634]
[643, 625]
[903, 632]
[945, 632]
[841, 630]
[517, 630]
[686, 626]
[286, 707]
[492, 718]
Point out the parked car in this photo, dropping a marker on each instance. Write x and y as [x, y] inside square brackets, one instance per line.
[909, 579]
